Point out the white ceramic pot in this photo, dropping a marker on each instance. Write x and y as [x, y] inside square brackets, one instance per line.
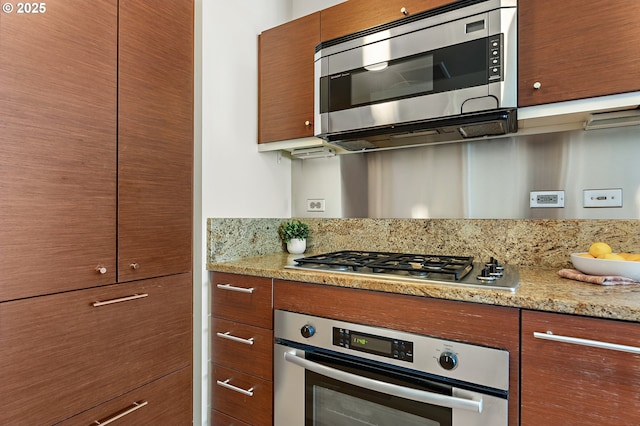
[296, 246]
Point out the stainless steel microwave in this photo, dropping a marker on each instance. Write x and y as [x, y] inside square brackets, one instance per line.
[445, 74]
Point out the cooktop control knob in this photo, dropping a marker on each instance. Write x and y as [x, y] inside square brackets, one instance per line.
[448, 360]
[307, 331]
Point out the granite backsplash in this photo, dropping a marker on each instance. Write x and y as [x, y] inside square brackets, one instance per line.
[546, 243]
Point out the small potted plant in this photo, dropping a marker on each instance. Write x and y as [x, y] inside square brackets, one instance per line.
[294, 233]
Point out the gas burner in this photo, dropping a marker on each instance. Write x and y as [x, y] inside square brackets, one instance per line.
[418, 268]
[340, 267]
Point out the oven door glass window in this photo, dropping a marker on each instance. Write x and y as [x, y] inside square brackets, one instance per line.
[330, 402]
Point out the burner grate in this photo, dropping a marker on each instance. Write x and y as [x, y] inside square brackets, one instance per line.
[456, 267]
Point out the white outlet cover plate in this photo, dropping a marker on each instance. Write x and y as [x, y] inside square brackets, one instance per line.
[538, 199]
[602, 197]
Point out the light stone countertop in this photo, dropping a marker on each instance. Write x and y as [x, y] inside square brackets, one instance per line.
[540, 288]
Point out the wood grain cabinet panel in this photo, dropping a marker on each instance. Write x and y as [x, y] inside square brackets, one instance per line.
[166, 401]
[242, 309]
[58, 143]
[255, 409]
[64, 353]
[577, 52]
[242, 298]
[221, 419]
[285, 109]
[253, 354]
[155, 138]
[357, 15]
[565, 383]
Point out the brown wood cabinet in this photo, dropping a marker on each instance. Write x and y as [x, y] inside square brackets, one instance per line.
[242, 349]
[493, 326]
[155, 138]
[70, 351]
[95, 189]
[58, 139]
[568, 383]
[162, 402]
[576, 52]
[285, 100]
[356, 15]
[70, 154]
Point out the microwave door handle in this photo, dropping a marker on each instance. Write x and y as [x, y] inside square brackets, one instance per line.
[386, 388]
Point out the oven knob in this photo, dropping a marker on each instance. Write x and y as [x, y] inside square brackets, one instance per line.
[448, 360]
[307, 331]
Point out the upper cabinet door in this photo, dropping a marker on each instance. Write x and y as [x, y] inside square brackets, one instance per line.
[356, 15]
[155, 138]
[58, 146]
[286, 79]
[567, 51]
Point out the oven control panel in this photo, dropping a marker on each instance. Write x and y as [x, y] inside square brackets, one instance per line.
[391, 348]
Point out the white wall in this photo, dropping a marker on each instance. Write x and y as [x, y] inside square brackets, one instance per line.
[231, 178]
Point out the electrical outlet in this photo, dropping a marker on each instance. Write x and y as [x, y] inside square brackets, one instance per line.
[316, 205]
[546, 199]
[602, 197]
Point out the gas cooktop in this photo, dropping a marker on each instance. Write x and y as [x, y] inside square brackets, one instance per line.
[415, 268]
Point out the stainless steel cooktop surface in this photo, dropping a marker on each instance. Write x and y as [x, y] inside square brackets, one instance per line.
[415, 268]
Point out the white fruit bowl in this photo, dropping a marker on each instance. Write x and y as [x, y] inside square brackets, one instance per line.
[593, 266]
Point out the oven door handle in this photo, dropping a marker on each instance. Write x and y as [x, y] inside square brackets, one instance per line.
[386, 388]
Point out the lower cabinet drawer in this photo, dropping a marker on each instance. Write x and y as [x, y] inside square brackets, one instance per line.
[64, 353]
[244, 397]
[167, 401]
[242, 298]
[220, 419]
[243, 347]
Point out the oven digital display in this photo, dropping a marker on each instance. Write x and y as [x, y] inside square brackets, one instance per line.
[370, 343]
[378, 345]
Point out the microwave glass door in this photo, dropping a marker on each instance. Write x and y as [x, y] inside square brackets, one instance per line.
[451, 68]
[329, 402]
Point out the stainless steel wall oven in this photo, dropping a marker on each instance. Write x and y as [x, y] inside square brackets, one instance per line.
[334, 373]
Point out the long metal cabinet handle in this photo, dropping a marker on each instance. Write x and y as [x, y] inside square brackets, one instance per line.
[226, 384]
[232, 288]
[230, 336]
[386, 388]
[121, 299]
[586, 342]
[135, 406]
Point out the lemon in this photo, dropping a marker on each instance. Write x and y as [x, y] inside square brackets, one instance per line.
[612, 256]
[634, 257]
[586, 255]
[599, 249]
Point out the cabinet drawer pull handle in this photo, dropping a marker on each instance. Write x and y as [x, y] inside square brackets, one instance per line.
[226, 384]
[135, 406]
[537, 85]
[586, 342]
[121, 299]
[229, 336]
[232, 288]
[101, 269]
[135, 265]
